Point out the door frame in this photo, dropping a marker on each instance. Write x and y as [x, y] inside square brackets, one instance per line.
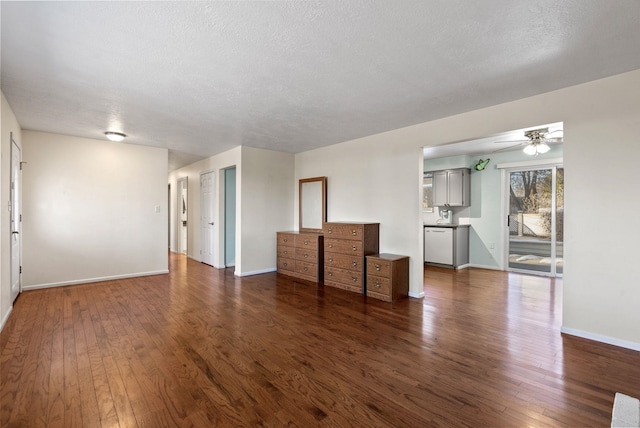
[505, 170]
[15, 203]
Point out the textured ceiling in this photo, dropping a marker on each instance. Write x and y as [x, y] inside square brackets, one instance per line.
[202, 77]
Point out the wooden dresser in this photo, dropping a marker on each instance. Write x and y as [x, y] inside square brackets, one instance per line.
[387, 276]
[345, 248]
[300, 255]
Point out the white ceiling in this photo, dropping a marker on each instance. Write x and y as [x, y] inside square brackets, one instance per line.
[202, 77]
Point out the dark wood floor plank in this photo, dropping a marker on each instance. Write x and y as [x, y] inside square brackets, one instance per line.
[200, 347]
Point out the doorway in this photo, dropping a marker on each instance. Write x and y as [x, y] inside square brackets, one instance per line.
[16, 219]
[183, 210]
[535, 219]
[207, 199]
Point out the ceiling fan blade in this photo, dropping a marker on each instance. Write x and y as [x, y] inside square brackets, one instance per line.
[553, 140]
[512, 141]
[504, 149]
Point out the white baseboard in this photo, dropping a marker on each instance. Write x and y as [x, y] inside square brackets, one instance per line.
[89, 280]
[419, 295]
[473, 265]
[6, 317]
[254, 272]
[600, 338]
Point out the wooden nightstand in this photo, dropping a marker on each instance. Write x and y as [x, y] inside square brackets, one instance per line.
[387, 276]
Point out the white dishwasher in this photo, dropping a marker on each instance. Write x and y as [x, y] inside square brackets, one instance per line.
[438, 245]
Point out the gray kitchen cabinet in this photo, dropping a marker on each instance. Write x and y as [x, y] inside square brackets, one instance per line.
[451, 187]
[446, 245]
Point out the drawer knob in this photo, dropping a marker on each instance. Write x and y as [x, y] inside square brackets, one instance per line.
[354, 263]
[354, 248]
[378, 267]
[354, 279]
[330, 259]
[306, 268]
[377, 285]
[285, 264]
[285, 252]
[285, 240]
[306, 242]
[306, 255]
[330, 245]
[330, 231]
[354, 232]
[330, 273]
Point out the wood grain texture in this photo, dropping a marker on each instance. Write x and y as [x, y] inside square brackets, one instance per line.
[200, 347]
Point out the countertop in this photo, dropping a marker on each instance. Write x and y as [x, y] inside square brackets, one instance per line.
[452, 225]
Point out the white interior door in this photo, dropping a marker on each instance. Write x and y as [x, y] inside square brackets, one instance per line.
[207, 193]
[16, 219]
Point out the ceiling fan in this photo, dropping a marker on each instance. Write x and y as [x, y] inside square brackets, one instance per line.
[537, 141]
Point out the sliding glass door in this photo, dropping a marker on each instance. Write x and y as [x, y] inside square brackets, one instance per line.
[535, 220]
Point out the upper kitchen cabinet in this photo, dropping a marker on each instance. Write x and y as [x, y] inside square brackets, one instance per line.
[451, 187]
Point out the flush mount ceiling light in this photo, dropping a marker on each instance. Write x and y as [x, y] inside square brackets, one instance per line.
[115, 136]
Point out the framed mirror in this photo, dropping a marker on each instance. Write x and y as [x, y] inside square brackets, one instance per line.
[312, 202]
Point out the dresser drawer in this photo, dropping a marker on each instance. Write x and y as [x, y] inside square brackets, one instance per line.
[286, 264]
[379, 267]
[344, 276]
[344, 231]
[377, 284]
[343, 246]
[287, 239]
[307, 255]
[343, 261]
[286, 252]
[307, 241]
[304, 268]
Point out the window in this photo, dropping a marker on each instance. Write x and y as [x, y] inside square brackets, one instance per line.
[427, 192]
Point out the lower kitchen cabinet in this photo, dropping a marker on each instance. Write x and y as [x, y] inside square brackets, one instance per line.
[446, 245]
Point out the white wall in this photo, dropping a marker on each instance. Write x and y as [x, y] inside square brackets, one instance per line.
[8, 125]
[89, 210]
[485, 213]
[379, 178]
[264, 205]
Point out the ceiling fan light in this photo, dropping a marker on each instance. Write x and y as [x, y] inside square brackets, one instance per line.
[115, 136]
[543, 148]
[530, 149]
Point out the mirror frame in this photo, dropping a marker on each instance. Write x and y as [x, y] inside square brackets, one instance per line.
[323, 220]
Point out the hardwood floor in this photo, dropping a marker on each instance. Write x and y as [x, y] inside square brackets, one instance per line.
[199, 347]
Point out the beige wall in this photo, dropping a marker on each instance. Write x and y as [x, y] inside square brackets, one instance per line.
[8, 125]
[92, 210]
[378, 178]
[264, 205]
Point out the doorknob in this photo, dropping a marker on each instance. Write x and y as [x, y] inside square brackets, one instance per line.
[15, 232]
[211, 223]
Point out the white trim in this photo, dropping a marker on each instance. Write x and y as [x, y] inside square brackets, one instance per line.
[419, 295]
[531, 163]
[600, 338]
[89, 280]
[474, 265]
[464, 266]
[254, 272]
[6, 317]
[219, 266]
